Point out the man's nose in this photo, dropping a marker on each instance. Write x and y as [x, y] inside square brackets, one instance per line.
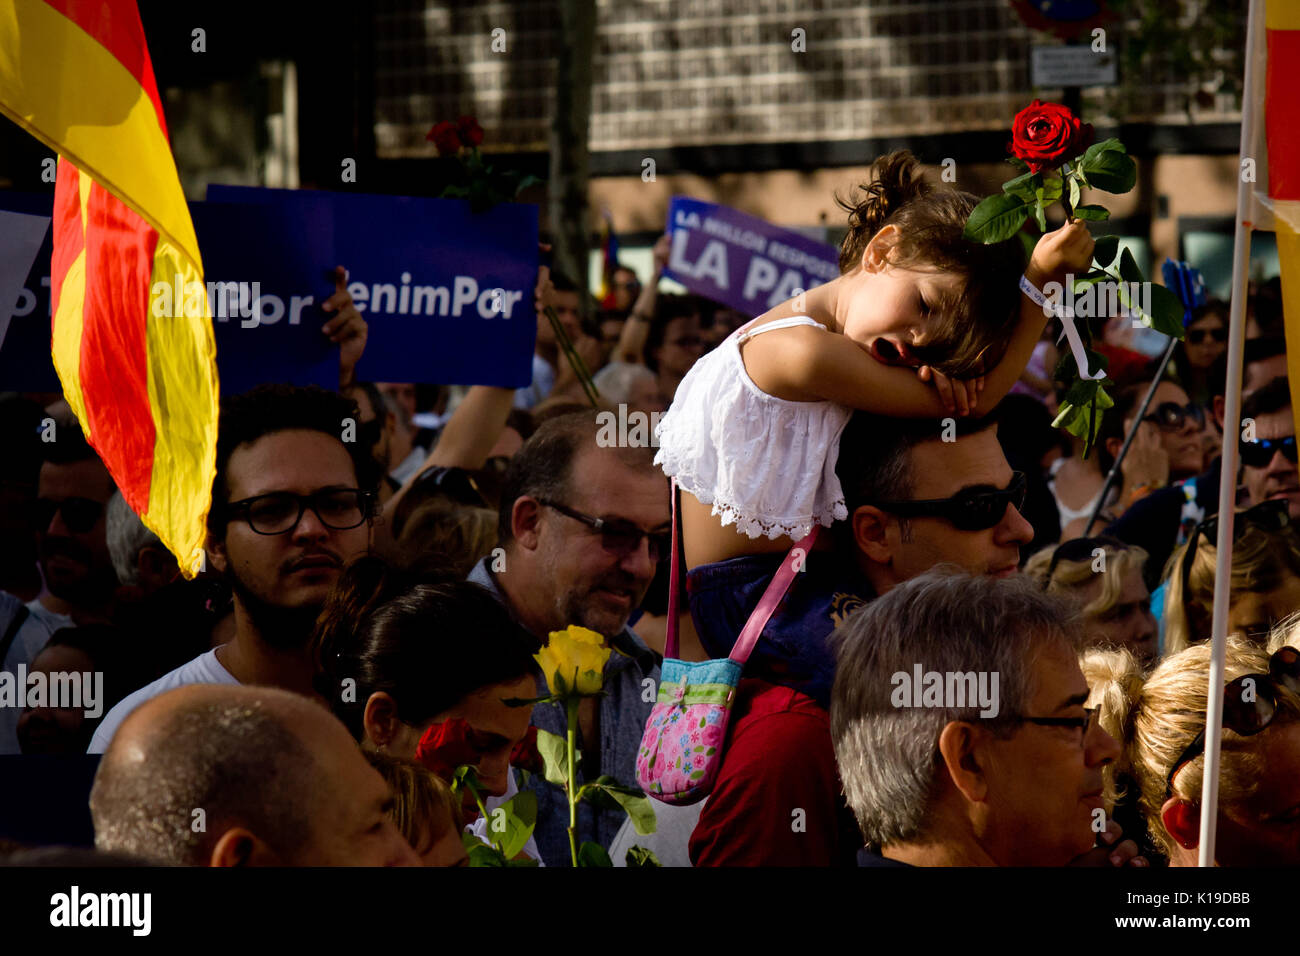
[638, 561]
[1100, 747]
[310, 527]
[1279, 464]
[1014, 528]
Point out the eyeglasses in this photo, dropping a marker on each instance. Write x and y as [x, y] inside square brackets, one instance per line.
[455, 483]
[619, 537]
[1083, 724]
[280, 511]
[1081, 549]
[1171, 415]
[1268, 516]
[1247, 708]
[79, 514]
[966, 510]
[1198, 336]
[1257, 454]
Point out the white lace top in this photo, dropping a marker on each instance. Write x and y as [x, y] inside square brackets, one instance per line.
[764, 463]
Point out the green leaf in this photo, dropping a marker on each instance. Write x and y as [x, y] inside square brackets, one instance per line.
[1040, 214]
[1113, 171]
[1050, 190]
[1166, 311]
[1081, 411]
[593, 854]
[1106, 249]
[1091, 212]
[1025, 187]
[1074, 195]
[525, 182]
[996, 218]
[554, 751]
[1017, 162]
[1105, 146]
[1128, 267]
[520, 819]
[640, 856]
[638, 808]
[483, 855]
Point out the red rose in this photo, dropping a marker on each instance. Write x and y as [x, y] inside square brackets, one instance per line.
[446, 137]
[526, 756]
[446, 746]
[471, 134]
[1047, 134]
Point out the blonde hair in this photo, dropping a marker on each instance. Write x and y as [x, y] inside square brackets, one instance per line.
[1157, 718]
[1070, 577]
[1114, 679]
[1261, 561]
[424, 809]
[457, 536]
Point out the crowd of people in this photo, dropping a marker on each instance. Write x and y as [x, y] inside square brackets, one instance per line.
[370, 601]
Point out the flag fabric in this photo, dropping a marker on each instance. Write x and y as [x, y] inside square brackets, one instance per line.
[131, 332]
[1282, 125]
[609, 245]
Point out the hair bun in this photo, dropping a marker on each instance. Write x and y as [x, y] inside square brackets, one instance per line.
[896, 179]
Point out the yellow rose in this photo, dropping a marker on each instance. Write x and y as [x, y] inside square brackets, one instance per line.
[574, 661]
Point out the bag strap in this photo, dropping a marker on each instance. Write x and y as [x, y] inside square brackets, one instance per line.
[15, 624]
[767, 604]
[674, 569]
[776, 589]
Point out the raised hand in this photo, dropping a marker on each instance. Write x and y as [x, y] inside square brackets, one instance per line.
[347, 329]
[1062, 251]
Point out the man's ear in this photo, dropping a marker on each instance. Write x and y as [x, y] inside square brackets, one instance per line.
[871, 534]
[876, 254]
[1183, 821]
[240, 847]
[525, 517]
[216, 553]
[960, 748]
[380, 719]
[1113, 445]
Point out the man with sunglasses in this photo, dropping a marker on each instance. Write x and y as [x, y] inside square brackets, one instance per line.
[69, 514]
[919, 493]
[583, 528]
[291, 505]
[1268, 463]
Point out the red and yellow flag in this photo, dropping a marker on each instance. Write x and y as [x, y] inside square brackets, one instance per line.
[1282, 123]
[138, 368]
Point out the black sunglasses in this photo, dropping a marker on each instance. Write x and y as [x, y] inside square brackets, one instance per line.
[619, 537]
[1247, 714]
[1172, 415]
[455, 483]
[1269, 516]
[1258, 453]
[79, 514]
[1197, 336]
[280, 511]
[1081, 549]
[966, 510]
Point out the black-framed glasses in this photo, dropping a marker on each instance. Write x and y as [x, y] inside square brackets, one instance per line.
[280, 511]
[966, 510]
[1173, 416]
[79, 514]
[1268, 516]
[1258, 453]
[619, 537]
[1198, 336]
[1247, 708]
[1081, 549]
[1083, 724]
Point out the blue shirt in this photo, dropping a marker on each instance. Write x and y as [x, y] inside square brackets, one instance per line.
[624, 710]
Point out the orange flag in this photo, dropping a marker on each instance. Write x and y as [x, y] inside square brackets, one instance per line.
[138, 365]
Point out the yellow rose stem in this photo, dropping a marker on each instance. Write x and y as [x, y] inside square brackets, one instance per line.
[571, 788]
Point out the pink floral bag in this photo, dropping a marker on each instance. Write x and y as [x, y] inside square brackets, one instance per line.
[681, 749]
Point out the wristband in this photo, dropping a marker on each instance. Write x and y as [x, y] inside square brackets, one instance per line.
[1036, 296]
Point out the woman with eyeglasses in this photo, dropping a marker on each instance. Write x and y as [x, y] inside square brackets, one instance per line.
[1206, 339]
[1104, 576]
[1265, 583]
[1163, 721]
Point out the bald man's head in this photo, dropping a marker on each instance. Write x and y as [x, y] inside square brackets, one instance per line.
[234, 775]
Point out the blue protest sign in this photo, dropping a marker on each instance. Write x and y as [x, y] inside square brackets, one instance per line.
[740, 260]
[25, 363]
[265, 273]
[448, 294]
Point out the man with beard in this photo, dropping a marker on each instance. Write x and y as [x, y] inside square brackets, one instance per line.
[291, 505]
[583, 526]
[73, 489]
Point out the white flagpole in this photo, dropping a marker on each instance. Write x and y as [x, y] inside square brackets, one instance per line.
[1231, 435]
